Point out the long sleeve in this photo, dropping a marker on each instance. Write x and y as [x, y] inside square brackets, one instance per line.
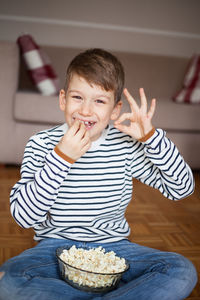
[162, 167]
[86, 200]
[42, 173]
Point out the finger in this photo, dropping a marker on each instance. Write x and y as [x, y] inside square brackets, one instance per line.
[131, 100]
[85, 142]
[75, 127]
[123, 128]
[143, 100]
[85, 139]
[152, 109]
[124, 117]
[81, 131]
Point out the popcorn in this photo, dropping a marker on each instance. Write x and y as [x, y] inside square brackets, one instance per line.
[104, 266]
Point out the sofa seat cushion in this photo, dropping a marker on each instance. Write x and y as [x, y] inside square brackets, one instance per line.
[36, 108]
[172, 116]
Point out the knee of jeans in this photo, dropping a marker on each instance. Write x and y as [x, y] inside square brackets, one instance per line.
[188, 269]
[193, 273]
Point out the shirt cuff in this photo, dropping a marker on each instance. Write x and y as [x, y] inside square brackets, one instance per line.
[65, 157]
[147, 136]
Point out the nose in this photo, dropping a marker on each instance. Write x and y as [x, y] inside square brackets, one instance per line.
[86, 109]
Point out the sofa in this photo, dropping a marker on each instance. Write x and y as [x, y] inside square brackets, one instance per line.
[25, 111]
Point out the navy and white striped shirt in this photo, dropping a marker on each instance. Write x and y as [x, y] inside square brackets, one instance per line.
[86, 200]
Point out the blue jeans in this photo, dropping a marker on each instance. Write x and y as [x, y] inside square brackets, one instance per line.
[153, 274]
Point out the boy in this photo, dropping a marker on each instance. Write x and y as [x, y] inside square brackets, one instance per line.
[76, 182]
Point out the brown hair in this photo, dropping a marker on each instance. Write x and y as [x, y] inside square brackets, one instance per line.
[99, 67]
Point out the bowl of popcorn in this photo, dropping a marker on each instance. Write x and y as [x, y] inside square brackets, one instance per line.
[91, 269]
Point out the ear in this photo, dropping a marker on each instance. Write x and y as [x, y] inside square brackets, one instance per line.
[116, 111]
[62, 100]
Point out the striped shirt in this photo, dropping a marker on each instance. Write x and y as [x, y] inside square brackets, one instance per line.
[86, 200]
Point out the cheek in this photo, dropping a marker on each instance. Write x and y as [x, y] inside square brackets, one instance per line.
[68, 115]
[106, 114]
[70, 108]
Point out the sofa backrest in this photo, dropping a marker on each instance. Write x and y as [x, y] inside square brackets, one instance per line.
[161, 76]
[9, 66]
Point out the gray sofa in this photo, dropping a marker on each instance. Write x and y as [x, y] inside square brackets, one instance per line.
[24, 111]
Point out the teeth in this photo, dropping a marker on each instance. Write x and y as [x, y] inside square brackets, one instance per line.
[87, 123]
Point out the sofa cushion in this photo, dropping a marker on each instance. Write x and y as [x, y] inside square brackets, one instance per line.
[190, 92]
[36, 108]
[39, 66]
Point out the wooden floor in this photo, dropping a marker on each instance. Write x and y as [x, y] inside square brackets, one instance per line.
[155, 221]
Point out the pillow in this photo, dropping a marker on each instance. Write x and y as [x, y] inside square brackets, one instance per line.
[39, 66]
[190, 92]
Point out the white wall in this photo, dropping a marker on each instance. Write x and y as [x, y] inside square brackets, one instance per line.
[169, 27]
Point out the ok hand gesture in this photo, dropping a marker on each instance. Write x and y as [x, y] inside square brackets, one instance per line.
[139, 117]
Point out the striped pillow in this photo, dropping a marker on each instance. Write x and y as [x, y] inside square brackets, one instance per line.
[39, 66]
[190, 92]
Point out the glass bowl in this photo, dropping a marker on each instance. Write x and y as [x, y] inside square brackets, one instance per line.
[86, 280]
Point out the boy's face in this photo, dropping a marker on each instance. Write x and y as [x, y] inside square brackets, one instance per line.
[89, 104]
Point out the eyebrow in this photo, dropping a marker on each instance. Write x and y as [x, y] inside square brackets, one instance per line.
[74, 91]
[96, 96]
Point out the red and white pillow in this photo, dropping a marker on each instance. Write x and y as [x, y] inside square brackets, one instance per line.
[190, 92]
[39, 66]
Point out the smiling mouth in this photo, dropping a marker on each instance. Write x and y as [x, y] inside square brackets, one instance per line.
[88, 124]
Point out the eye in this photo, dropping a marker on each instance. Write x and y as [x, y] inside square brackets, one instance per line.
[100, 101]
[76, 97]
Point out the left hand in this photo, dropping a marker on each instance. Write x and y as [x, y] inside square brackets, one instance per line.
[140, 119]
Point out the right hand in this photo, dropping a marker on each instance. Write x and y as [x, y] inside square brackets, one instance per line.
[76, 141]
[140, 117]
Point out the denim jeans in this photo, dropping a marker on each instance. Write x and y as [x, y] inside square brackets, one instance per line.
[153, 274]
